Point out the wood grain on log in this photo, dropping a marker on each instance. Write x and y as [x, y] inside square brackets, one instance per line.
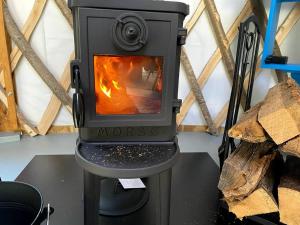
[280, 113]
[289, 192]
[244, 169]
[197, 92]
[291, 147]
[34, 60]
[248, 127]
[261, 200]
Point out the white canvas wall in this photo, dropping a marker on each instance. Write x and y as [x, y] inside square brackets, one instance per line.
[53, 42]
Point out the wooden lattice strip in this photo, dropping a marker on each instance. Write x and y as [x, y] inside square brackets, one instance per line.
[54, 105]
[195, 17]
[16, 54]
[25, 125]
[212, 63]
[34, 60]
[288, 24]
[219, 120]
[27, 30]
[259, 10]
[11, 113]
[222, 41]
[191, 75]
[62, 5]
[197, 92]
[3, 97]
[292, 18]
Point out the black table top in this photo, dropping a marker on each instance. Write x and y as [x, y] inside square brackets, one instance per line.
[194, 191]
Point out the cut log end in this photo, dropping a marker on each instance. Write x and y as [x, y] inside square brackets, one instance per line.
[289, 192]
[261, 201]
[244, 169]
[280, 113]
[248, 128]
[292, 146]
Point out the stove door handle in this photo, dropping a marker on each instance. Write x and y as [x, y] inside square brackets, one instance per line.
[78, 111]
[78, 104]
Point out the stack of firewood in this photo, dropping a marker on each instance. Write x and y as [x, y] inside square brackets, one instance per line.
[257, 178]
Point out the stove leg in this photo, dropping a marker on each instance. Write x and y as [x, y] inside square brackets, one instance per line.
[164, 201]
[91, 198]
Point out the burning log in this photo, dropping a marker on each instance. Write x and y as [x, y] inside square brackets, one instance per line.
[244, 169]
[261, 200]
[248, 128]
[289, 192]
[280, 113]
[292, 146]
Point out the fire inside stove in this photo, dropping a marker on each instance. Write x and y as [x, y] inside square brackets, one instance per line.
[128, 84]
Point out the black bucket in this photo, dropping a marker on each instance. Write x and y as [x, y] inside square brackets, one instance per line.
[22, 204]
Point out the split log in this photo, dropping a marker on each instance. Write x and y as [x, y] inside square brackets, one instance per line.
[292, 146]
[248, 128]
[280, 113]
[260, 201]
[263, 199]
[289, 192]
[244, 169]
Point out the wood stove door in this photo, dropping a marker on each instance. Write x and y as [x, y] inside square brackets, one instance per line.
[128, 66]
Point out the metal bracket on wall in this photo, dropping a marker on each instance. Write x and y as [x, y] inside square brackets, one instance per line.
[269, 60]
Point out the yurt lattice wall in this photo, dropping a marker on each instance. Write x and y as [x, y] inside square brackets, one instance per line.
[13, 118]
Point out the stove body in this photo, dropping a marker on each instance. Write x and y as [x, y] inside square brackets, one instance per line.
[125, 77]
[126, 69]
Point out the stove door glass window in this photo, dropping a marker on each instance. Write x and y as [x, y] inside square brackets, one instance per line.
[128, 84]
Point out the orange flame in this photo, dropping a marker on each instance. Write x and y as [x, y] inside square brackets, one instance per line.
[104, 89]
[116, 84]
[120, 85]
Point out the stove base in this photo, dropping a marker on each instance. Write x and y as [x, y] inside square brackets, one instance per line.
[116, 201]
[127, 159]
[92, 190]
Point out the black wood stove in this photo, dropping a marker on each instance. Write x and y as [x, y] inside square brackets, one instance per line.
[125, 103]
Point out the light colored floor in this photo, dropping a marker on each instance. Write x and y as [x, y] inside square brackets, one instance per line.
[15, 156]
